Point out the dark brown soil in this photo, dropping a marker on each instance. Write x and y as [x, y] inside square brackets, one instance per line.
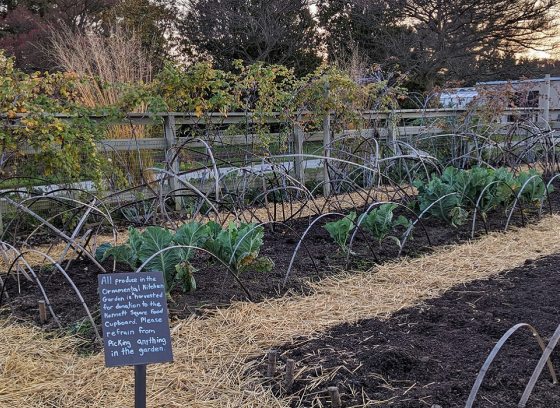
[316, 259]
[430, 354]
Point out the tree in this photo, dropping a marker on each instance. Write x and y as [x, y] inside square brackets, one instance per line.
[152, 21]
[21, 35]
[25, 26]
[436, 40]
[349, 25]
[272, 31]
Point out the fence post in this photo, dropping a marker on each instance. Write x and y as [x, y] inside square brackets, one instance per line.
[392, 132]
[326, 147]
[42, 311]
[271, 364]
[298, 150]
[546, 101]
[169, 132]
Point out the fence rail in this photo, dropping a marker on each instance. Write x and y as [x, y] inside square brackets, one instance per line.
[173, 119]
[388, 127]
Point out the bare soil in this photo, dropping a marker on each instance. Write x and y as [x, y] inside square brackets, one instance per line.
[318, 258]
[430, 355]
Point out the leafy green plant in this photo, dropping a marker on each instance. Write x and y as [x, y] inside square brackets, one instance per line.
[500, 191]
[174, 262]
[488, 187]
[535, 190]
[459, 191]
[441, 201]
[237, 246]
[506, 185]
[503, 187]
[192, 234]
[340, 230]
[380, 222]
[468, 184]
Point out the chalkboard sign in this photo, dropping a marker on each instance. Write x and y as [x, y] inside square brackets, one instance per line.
[134, 318]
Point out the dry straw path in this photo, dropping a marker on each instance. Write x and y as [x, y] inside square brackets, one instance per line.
[210, 353]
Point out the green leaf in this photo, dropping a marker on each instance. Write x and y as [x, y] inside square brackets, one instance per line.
[191, 234]
[439, 197]
[134, 239]
[402, 221]
[100, 251]
[213, 228]
[379, 221]
[126, 253]
[248, 242]
[155, 239]
[535, 189]
[122, 254]
[184, 276]
[220, 244]
[340, 230]
[236, 246]
[502, 192]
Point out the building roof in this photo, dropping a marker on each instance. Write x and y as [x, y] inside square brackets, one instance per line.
[462, 91]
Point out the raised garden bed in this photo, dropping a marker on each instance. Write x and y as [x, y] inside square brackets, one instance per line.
[317, 258]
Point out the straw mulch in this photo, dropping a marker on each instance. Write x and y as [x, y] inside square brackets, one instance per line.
[210, 368]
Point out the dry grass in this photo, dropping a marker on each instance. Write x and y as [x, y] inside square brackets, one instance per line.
[321, 205]
[116, 59]
[105, 64]
[211, 354]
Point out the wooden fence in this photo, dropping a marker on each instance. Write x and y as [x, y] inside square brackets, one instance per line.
[388, 127]
[388, 131]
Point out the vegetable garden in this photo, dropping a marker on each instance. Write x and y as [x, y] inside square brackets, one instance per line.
[272, 193]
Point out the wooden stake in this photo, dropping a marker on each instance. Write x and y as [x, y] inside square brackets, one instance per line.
[335, 397]
[290, 368]
[42, 311]
[271, 368]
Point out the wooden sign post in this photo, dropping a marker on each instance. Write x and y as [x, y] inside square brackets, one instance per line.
[135, 324]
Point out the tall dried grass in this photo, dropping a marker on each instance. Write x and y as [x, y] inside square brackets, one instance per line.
[108, 62]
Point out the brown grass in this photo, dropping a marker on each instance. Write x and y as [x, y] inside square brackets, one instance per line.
[105, 64]
[210, 368]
